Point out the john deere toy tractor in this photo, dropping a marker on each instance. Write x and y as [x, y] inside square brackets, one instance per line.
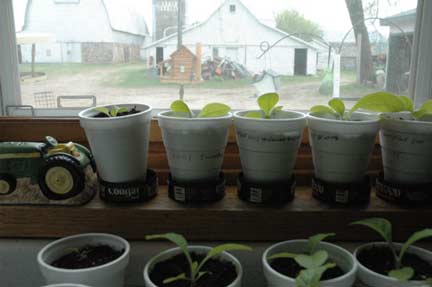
[59, 169]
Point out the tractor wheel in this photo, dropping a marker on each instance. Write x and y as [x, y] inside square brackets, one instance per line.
[61, 178]
[7, 184]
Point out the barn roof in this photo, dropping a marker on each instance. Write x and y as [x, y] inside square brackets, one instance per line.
[216, 11]
[121, 15]
[409, 15]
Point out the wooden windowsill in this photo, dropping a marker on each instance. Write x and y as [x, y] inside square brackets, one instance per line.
[229, 219]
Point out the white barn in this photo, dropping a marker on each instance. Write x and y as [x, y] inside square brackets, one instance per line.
[232, 31]
[96, 31]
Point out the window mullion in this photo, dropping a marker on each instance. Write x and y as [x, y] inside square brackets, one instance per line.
[421, 81]
[9, 74]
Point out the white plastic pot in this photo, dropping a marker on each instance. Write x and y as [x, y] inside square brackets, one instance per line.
[340, 256]
[195, 146]
[268, 147]
[225, 256]
[406, 149]
[341, 149]
[119, 144]
[107, 275]
[373, 279]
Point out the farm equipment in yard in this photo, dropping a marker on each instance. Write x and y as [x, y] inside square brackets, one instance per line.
[58, 169]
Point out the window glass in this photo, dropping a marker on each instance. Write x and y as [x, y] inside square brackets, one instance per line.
[109, 51]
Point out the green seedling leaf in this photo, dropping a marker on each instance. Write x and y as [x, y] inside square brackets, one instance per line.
[122, 110]
[194, 267]
[338, 106]
[380, 225]
[312, 277]
[425, 109]
[103, 110]
[113, 111]
[222, 248]
[312, 261]
[316, 239]
[283, 255]
[174, 279]
[178, 240]
[408, 104]
[214, 110]
[276, 110]
[380, 102]
[180, 107]
[420, 235]
[267, 102]
[320, 109]
[254, 115]
[403, 274]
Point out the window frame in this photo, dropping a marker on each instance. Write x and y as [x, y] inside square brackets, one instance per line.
[420, 88]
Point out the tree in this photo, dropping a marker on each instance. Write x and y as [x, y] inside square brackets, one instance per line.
[356, 12]
[293, 22]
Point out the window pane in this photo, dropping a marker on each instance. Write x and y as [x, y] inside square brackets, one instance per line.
[126, 51]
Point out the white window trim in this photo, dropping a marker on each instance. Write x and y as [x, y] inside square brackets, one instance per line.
[10, 89]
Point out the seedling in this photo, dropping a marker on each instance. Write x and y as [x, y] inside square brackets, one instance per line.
[384, 228]
[113, 112]
[378, 102]
[209, 111]
[314, 262]
[196, 268]
[267, 103]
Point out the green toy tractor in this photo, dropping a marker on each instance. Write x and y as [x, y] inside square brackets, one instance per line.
[59, 169]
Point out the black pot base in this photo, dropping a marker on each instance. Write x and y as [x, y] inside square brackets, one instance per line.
[404, 194]
[130, 192]
[274, 193]
[346, 194]
[197, 192]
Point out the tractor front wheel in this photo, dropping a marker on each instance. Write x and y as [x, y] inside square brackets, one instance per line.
[7, 184]
[61, 178]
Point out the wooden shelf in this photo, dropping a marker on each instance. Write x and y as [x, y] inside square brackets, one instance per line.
[229, 219]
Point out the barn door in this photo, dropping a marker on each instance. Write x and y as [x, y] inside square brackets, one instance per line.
[300, 62]
[159, 54]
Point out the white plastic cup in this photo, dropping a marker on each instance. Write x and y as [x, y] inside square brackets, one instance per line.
[197, 249]
[195, 146]
[341, 149]
[406, 149]
[374, 279]
[108, 275]
[344, 259]
[119, 144]
[268, 147]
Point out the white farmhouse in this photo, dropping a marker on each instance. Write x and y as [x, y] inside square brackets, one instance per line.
[90, 31]
[232, 31]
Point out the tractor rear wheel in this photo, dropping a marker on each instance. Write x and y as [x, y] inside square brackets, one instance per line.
[61, 178]
[7, 184]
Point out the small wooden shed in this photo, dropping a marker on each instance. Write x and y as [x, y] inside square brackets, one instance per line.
[183, 67]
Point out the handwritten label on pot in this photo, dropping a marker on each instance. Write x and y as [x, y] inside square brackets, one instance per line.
[242, 135]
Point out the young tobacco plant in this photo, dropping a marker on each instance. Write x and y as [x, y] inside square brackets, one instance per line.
[384, 228]
[196, 268]
[113, 112]
[209, 111]
[378, 102]
[314, 262]
[267, 103]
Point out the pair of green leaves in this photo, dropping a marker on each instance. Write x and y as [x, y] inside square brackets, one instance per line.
[314, 263]
[381, 102]
[113, 112]
[209, 111]
[195, 267]
[268, 104]
[384, 228]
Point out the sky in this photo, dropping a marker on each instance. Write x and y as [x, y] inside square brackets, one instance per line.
[331, 15]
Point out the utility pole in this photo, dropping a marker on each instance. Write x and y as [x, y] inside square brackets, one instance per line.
[180, 24]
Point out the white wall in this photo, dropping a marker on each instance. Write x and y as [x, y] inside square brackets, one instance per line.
[53, 53]
[225, 29]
